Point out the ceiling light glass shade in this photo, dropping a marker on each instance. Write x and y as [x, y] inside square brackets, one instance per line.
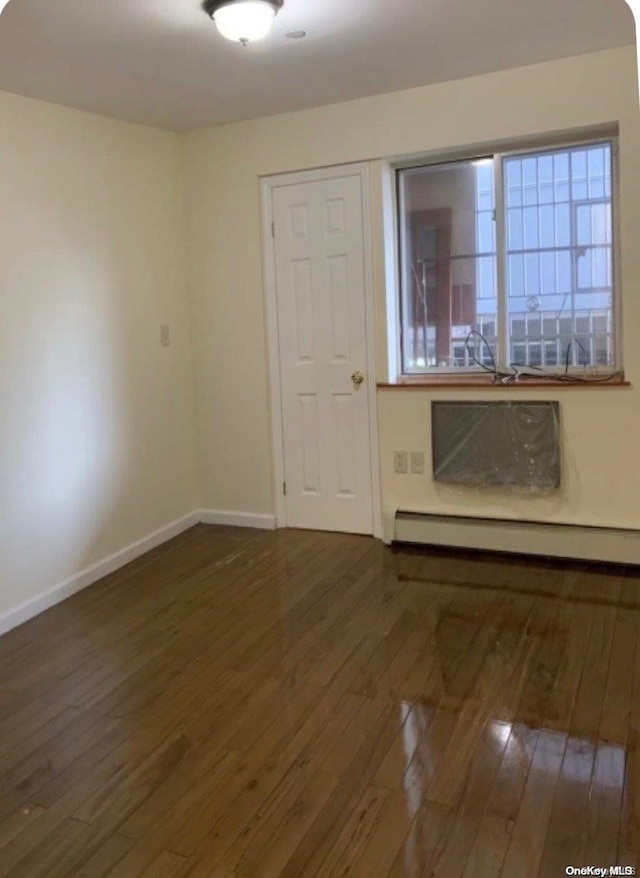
[634, 6]
[244, 20]
[3, 3]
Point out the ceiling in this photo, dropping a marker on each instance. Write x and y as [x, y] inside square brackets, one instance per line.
[162, 62]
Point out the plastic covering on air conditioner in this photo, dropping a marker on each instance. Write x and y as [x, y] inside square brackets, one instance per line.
[513, 446]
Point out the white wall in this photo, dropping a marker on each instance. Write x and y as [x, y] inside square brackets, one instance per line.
[96, 419]
[602, 480]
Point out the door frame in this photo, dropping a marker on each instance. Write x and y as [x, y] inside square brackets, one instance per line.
[267, 185]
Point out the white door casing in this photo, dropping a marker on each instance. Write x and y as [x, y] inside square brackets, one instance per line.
[319, 339]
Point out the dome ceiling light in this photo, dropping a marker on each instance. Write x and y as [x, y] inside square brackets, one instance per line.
[243, 20]
[634, 6]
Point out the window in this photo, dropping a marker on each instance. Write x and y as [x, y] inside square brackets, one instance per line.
[506, 262]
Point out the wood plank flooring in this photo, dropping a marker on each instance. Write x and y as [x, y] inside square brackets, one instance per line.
[243, 704]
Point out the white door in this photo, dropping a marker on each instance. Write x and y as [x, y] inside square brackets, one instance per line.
[320, 279]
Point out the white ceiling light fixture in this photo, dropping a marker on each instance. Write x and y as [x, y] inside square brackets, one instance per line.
[3, 3]
[634, 6]
[243, 20]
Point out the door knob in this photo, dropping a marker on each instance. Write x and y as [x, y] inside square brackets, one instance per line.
[358, 378]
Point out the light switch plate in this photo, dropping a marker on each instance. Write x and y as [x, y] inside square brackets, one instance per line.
[416, 461]
[165, 335]
[400, 462]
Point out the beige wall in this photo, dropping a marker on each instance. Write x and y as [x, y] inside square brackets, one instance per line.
[223, 166]
[96, 419]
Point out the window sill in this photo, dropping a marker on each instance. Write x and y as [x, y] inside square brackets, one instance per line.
[467, 382]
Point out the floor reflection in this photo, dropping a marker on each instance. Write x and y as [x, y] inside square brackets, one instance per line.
[519, 719]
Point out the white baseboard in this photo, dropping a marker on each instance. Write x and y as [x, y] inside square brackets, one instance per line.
[238, 519]
[57, 593]
[521, 537]
[597, 544]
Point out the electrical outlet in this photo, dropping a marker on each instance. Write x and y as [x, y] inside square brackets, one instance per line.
[400, 462]
[165, 335]
[416, 460]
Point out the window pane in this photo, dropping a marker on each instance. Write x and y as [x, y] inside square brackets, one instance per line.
[547, 274]
[545, 179]
[514, 183]
[530, 180]
[578, 174]
[530, 222]
[563, 267]
[486, 232]
[563, 225]
[448, 265]
[595, 172]
[515, 229]
[559, 280]
[531, 274]
[486, 277]
[546, 224]
[561, 176]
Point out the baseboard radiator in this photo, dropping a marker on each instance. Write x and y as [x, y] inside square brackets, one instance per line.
[520, 537]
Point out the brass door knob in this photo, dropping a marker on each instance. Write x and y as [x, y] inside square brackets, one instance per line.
[357, 378]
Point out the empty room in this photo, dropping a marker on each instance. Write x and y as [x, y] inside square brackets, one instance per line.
[319, 415]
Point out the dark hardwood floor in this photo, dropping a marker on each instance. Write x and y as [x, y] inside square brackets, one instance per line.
[243, 703]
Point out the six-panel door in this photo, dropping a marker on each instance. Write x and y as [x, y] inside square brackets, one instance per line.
[319, 256]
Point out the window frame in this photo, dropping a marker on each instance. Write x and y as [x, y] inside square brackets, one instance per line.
[498, 155]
